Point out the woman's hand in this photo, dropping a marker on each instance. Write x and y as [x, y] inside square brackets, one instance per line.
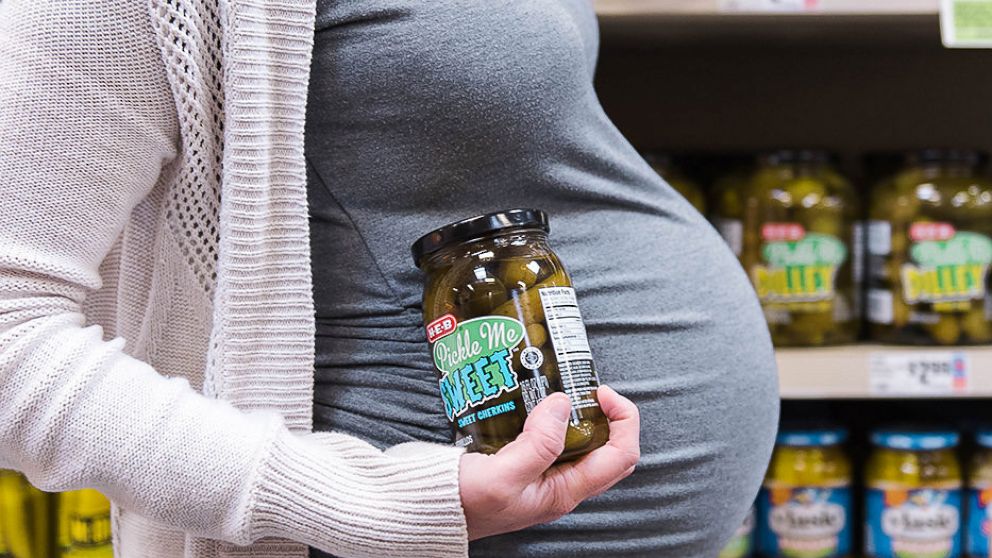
[518, 487]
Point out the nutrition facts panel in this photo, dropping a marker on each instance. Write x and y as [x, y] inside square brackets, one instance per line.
[571, 346]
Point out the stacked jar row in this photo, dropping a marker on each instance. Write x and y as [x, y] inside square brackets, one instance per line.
[914, 263]
[917, 502]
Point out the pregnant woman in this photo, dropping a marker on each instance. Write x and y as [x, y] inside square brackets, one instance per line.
[155, 183]
[424, 113]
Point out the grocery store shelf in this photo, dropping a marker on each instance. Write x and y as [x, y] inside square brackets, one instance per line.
[640, 8]
[846, 372]
[857, 23]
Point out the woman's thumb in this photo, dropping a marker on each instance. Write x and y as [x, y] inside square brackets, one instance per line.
[541, 442]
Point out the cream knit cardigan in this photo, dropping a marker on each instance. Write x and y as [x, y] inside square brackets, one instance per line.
[152, 192]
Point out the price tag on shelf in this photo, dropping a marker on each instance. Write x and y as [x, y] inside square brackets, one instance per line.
[966, 23]
[914, 373]
[769, 6]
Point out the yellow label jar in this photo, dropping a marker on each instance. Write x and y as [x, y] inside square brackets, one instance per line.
[504, 330]
[800, 247]
[804, 507]
[929, 251]
[913, 495]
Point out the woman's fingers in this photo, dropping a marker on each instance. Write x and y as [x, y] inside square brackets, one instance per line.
[625, 421]
[601, 469]
[524, 460]
[518, 486]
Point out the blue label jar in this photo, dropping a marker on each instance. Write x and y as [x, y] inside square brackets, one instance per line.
[804, 507]
[978, 496]
[979, 522]
[913, 500]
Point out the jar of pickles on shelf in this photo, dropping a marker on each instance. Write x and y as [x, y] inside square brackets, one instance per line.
[801, 241]
[929, 248]
[25, 529]
[913, 495]
[978, 498]
[726, 205]
[804, 507]
[84, 529]
[663, 165]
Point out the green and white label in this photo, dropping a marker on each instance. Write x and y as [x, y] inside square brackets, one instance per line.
[950, 267]
[475, 362]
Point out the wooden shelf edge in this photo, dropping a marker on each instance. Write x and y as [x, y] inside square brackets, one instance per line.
[641, 8]
[843, 372]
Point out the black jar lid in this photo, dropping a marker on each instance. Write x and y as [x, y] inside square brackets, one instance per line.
[477, 227]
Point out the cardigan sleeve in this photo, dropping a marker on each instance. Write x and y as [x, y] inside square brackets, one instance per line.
[87, 122]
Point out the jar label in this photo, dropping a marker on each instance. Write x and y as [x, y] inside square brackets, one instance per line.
[979, 521]
[475, 361]
[948, 267]
[740, 545]
[804, 522]
[568, 337]
[799, 266]
[921, 523]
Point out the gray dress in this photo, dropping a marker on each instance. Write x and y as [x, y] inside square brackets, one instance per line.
[425, 112]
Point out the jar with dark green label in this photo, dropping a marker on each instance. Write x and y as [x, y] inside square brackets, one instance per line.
[801, 248]
[504, 330]
[929, 251]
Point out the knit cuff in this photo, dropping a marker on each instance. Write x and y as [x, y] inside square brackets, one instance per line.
[345, 497]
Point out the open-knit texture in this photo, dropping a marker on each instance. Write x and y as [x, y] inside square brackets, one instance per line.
[153, 191]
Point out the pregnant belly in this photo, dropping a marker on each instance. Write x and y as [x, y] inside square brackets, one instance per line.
[673, 325]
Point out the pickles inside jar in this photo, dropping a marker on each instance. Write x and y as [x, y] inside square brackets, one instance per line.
[801, 248]
[929, 251]
[505, 331]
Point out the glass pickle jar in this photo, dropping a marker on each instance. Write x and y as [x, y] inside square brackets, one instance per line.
[84, 525]
[913, 495]
[978, 498]
[726, 203]
[800, 248]
[929, 250]
[662, 164]
[25, 530]
[804, 507]
[505, 331]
